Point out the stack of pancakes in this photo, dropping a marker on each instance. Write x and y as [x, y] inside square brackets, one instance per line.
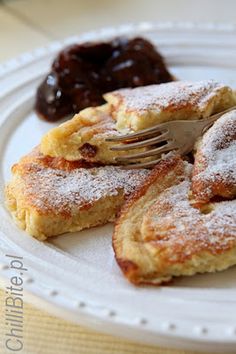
[179, 218]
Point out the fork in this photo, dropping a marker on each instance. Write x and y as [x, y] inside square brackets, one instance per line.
[179, 136]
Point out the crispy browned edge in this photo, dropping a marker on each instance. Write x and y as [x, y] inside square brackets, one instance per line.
[36, 157]
[129, 268]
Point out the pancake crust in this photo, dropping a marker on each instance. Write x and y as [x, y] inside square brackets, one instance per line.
[214, 173]
[48, 196]
[159, 235]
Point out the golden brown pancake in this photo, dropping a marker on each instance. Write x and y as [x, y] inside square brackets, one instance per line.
[144, 107]
[84, 138]
[159, 235]
[50, 196]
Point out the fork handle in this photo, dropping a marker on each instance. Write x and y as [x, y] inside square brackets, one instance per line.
[207, 122]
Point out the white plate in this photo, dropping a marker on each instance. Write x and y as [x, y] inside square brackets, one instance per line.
[75, 276]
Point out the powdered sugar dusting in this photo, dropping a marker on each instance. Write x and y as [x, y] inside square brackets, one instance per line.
[172, 95]
[216, 160]
[61, 191]
[185, 230]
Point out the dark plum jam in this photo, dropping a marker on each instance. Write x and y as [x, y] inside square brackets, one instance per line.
[82, 73]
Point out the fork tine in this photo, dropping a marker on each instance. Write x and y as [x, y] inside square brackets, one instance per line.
[165, 148]
[141, 134]
[158, 139]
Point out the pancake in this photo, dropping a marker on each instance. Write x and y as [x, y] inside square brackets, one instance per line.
[144, 107]
[159, 235]
[83, 137]
[48, 196]
[214, 173]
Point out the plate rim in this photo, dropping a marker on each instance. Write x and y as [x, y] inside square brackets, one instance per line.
[28, 57]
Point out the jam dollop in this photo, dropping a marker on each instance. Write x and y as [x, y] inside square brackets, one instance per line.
[82, 73]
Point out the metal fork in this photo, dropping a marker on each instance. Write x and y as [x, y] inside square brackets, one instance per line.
[179, 136]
